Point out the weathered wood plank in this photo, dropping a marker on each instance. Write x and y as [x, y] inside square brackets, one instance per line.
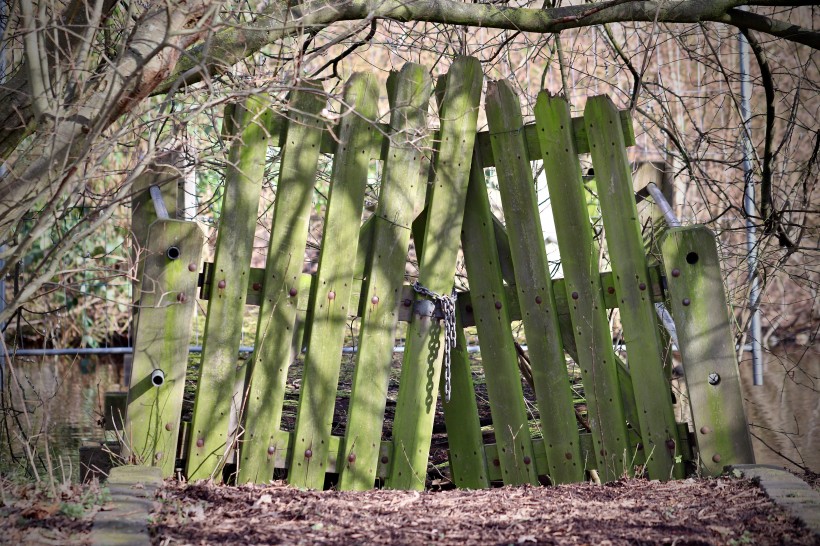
[579, 259]
[629, 263]
[423, 355]
[280, 288]
[216, 399]
[335, 280]
[707, 348]
[489, 304]
[161, 343]
[391, 239]
[534, 286]
[329, 143]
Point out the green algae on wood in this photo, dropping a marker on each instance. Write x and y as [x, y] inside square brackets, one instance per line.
[335, 279]
[629, 263]
[579, 259]
[390, 241]
[418, 386]
[534, 286]
[217, 401]
[167, 303]
[707, 347]
[281, 285]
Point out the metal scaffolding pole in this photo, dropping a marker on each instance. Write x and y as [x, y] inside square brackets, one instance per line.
[750, 208]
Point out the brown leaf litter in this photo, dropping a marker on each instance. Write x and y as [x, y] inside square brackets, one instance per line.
[685, 512]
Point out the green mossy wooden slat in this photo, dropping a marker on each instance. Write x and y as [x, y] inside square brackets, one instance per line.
[535, 296]
[607, 286]
[329, 142]
[216, 398]
[335, 279]
[579, 260]
[540, 449]
[629, 263]
[281, 285]
[421, 368]
[468, 466]
[498, 354]
[391, 239]
[161, 342]
[707, 347]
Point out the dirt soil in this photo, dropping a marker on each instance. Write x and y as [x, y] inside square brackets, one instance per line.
[687, 512]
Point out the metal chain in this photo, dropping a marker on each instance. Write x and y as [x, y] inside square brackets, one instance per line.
[448, 309]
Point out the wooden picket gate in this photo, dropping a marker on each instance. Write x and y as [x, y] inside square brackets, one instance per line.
[432, 188]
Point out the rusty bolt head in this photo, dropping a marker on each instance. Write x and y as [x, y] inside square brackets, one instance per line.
[200, 442]
[538, 300]
[257, 286]
[169, 426]
[384, 459]
[676, 272]
[351, 458]
[498, 305]
[527, 460]
[331, 295]
[642, 286]
[496, 462]
[716, 457]
[181, 297]
[686, 301]
[705, 430]
[568, 456]
[192, 267]
[308, 453]
[221, 284]
[575, 295]
[670, 444]
[374, 300]
[271, 450]
[407, 302]
[292, 292]
[610, 290]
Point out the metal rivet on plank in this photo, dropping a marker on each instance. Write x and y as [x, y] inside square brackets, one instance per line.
[351, 458]
[293, 292]
[610, 290]
[714, 378]
[221, 284]
[527, 460]
[384, 459]
[169, 426]
[191, 267]
[308, 453]
[705, 430]
[686, 301]
[257, 286]
[676, 272]
[374, 300]
[498, 305]
[331, 295]
[407, 302]
[575, 295]
[642, 286]
[538, 300]
[200, 442]
[716, 457]
[271, 450]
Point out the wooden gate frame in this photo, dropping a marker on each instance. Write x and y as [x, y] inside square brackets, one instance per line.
[433, 188]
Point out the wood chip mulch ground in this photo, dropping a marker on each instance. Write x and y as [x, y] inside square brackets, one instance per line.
[686, 512]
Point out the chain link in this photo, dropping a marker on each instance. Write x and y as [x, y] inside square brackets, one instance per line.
[448, 309]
